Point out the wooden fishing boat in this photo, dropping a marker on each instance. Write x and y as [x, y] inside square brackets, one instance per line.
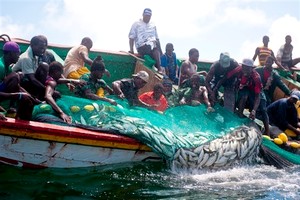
[38, 145]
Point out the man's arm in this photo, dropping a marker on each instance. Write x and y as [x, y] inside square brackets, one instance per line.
[255, 54]
[49, 99]
[86, 58]
[34, 81]
[131, 43]
[116, 86]
[88, 94]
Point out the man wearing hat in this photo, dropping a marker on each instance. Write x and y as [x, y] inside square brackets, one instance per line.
[250, 94]
[283, 114]
[128, 88]
[144, 35]
[217, 72]
[11, 53]
[9, 83]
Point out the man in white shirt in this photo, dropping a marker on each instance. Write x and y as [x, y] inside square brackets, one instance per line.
[144, 35]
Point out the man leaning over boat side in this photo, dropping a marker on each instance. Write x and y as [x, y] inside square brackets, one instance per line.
[249, 92]
[95, 87]
[10, 88]
[217, 72]
[144, 35]
[270, 80]
[34, 73]
[264, 51]
[128, 88]
[54, 78]
[155, 99]
[195, 93]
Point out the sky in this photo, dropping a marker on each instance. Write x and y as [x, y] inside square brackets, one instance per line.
[211, 26]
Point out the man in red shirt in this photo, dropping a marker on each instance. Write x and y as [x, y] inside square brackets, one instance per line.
[249, 88]
[155, 99]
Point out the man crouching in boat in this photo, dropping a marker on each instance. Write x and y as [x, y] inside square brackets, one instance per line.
[128, 88]
[283, 114]
[54, 78]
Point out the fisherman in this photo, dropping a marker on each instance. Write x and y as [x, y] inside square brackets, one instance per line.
[263, 52]
[76, 58]
[54, 78]
[195, 94]
[95, 87]
[10, 88]
[217, 72]
[284, 55]
[270, 80]
[189, 67]
[34, 73]
[169, 63]
[155, 99]
[128, 88]
[144, 35]
[283, 114]
[249, 89]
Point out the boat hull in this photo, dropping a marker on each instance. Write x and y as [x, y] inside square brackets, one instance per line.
[38, 145]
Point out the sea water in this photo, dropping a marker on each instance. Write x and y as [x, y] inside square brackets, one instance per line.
[149, 181]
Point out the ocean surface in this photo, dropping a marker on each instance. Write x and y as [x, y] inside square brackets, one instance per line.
[149, 181]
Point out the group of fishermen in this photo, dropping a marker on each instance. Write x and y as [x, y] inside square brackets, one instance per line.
[32, 78]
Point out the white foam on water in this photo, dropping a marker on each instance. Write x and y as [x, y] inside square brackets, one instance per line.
[262, 179]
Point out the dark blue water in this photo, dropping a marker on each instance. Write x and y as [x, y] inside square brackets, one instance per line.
[149, 181]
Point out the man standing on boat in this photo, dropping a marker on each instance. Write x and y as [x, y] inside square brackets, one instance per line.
[218, 72]
[263, 52]
[144, 34]
[270, 80]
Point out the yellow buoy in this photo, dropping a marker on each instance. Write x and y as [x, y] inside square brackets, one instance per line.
[267, 137]
[295, 145]
[75, 109]
[278, 141]
[283, 137]
[89, 108]
[290, 133]
[45, 107]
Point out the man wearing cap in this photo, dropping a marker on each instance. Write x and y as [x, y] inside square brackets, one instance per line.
[144, 34]
[128, 88]
[249, 89]
[9, 83]
[217, 72]
[11, 53]
[283, 114]
[271, 80]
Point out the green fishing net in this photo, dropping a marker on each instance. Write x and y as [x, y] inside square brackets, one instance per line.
[294, 158]
[179, 127]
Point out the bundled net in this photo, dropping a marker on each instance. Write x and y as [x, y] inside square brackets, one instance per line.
[179, 127]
